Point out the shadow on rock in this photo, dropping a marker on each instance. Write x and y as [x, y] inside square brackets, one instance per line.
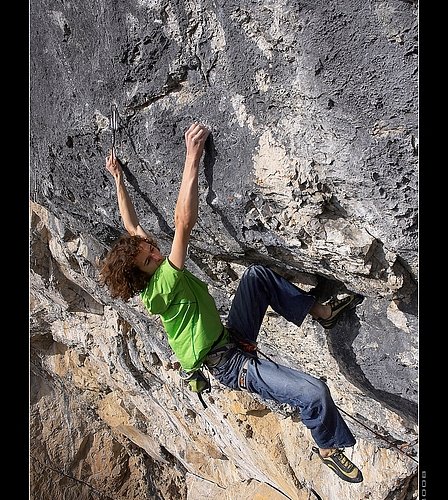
[341, 341]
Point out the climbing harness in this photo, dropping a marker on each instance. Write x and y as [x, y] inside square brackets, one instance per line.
[243, 375]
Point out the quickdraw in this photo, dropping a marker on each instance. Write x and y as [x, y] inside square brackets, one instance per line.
[114, 125]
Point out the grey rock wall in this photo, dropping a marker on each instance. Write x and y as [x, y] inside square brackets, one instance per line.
[311, 168]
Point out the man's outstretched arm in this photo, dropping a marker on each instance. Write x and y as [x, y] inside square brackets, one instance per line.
[186, 212]
[125, 205]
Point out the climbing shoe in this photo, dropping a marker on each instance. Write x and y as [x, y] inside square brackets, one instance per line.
[341, 465]
[338, 306]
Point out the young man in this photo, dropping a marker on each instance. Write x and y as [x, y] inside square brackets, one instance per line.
[194, 329]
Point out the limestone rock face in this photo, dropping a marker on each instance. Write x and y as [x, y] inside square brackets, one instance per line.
[311, 169]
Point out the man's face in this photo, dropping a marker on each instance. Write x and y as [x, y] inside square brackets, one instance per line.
[149, 258]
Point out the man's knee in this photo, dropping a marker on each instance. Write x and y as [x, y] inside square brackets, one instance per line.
[254, 271]
[321, 392]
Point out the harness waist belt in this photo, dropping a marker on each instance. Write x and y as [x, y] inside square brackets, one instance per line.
[218, 356]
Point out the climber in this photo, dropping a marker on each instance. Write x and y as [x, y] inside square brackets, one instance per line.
[195, 332]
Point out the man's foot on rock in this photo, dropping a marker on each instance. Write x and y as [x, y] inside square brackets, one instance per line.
[338, 306]
[341, 465]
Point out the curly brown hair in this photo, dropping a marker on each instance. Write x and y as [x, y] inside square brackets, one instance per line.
[118, 270]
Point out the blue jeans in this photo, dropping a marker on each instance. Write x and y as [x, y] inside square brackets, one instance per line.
[259, 288]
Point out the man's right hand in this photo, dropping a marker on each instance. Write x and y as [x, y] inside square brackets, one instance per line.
[195, 138]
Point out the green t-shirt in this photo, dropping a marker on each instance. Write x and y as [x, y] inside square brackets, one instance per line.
[187, 310]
